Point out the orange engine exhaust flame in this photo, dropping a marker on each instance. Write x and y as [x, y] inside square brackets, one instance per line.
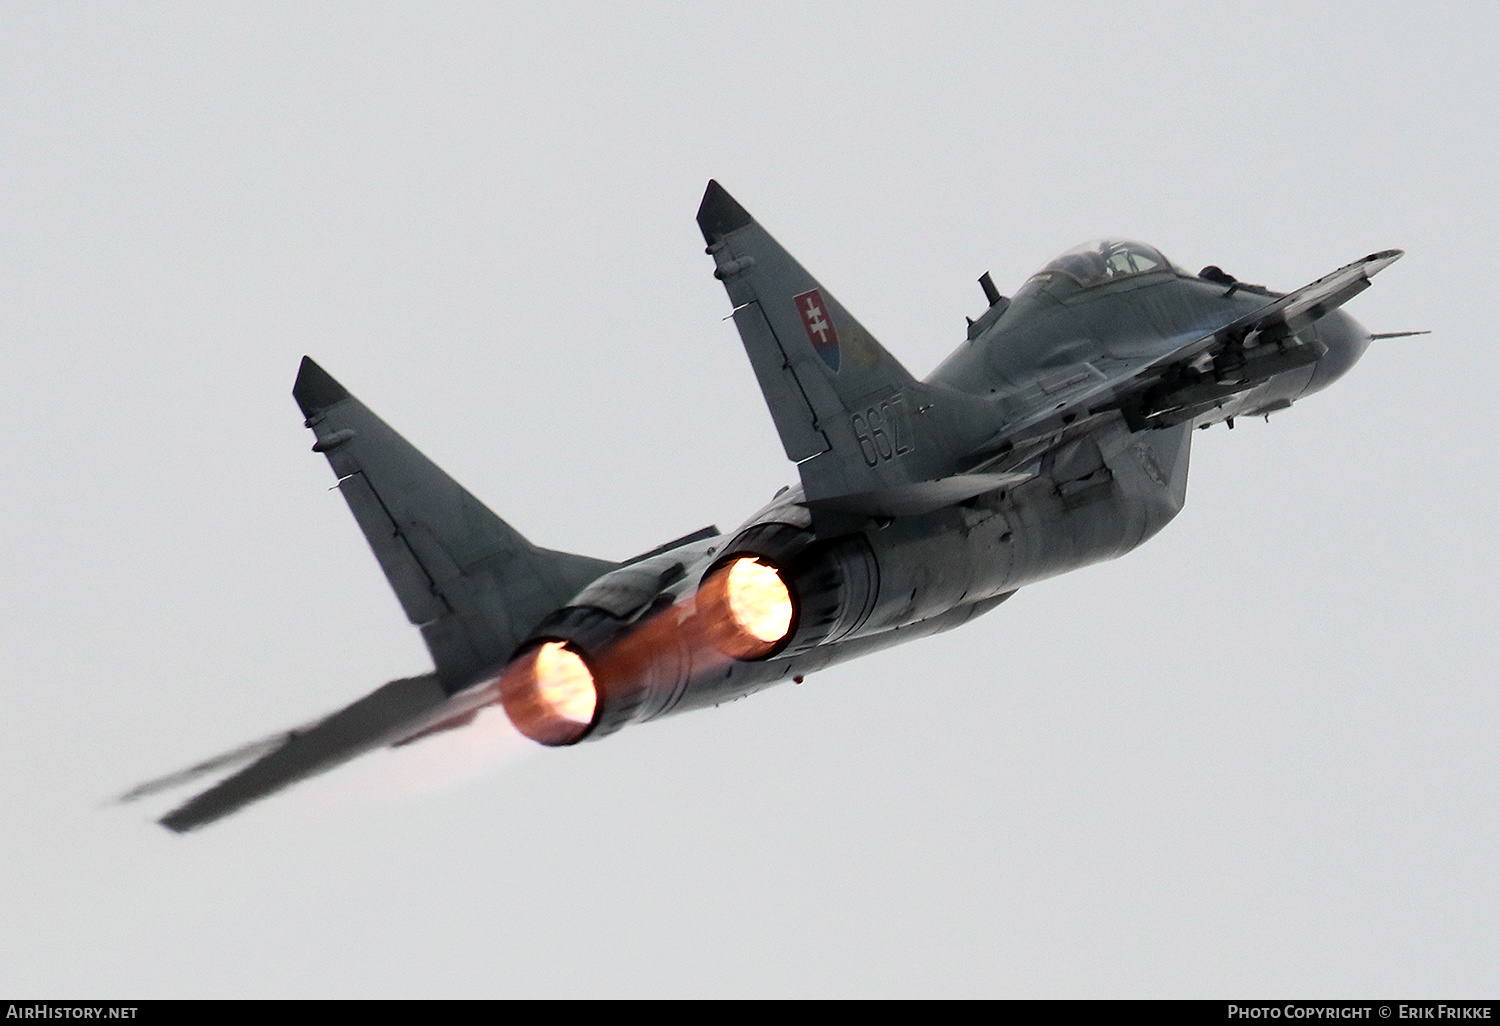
[549, 694]
[743, 611]
[759, 600]
[748, 608]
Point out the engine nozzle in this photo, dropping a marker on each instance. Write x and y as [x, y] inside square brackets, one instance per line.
[549, 694]
[748, 608]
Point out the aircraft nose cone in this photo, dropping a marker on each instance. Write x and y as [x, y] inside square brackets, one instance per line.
[1346, 340]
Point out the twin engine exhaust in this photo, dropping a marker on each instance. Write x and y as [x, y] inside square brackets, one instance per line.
[629, 648]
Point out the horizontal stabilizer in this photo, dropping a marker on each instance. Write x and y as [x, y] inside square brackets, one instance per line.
[918, 498]
[383, 717]
[219, 763]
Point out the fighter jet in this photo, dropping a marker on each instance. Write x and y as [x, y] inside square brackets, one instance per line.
[1055, 436]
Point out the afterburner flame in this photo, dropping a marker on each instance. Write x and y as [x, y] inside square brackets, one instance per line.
[746, 609]
[758, 600]
[564, 683]
[549, 694]
[552, 693]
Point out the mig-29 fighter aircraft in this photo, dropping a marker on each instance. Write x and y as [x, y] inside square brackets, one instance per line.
[1056, 436]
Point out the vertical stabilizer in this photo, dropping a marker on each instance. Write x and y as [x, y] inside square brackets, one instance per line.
[849, 414]
[468, 579]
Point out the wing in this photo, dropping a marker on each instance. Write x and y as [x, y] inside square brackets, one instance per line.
[1200, 373]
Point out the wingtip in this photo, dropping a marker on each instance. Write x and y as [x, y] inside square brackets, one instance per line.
[1377, 262]
[719, 213]
[176, 824]
[316, 389]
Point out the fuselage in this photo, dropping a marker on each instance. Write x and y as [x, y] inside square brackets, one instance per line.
[1054, 326]
[1056, 436]
[1087, 492]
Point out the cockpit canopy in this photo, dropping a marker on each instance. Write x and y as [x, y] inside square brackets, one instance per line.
[1104, 260]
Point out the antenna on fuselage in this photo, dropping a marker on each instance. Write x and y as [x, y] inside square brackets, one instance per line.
[990, 292]
[997, 306]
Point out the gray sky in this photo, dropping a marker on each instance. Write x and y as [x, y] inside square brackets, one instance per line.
[1256, 756]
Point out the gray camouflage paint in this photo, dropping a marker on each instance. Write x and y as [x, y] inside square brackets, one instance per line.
[1056, 436]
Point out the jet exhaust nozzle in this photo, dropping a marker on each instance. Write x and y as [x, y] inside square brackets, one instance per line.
[630, 646]
[778, 590]
[748, 607]
[549, 693]
[584, 673]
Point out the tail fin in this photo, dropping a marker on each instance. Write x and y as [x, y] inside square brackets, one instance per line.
[852, 418]
[468, 579]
